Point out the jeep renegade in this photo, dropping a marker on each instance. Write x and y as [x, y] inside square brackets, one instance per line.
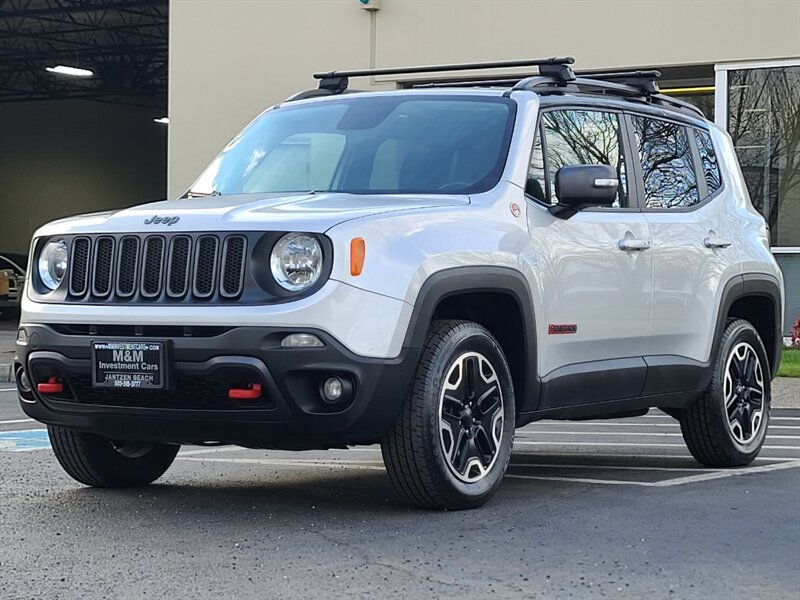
[426, 268]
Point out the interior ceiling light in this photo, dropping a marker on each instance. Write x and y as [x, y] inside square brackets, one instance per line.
[71, 71]
[162, 120]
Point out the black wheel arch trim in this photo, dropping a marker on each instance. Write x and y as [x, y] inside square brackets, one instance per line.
[752, 285]
[477, 279]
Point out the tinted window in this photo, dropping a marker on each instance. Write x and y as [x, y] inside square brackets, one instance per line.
[709, 160]
[368, 144]
[670, 180]
[576, 137]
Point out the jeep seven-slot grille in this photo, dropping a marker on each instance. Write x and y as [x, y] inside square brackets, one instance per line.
[148, 268]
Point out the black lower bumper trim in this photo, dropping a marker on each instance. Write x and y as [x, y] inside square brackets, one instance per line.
[195, 408]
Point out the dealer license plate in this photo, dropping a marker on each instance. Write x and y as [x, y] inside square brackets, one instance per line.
[128, 365]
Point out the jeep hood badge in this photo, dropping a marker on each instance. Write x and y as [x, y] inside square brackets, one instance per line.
[156, 220]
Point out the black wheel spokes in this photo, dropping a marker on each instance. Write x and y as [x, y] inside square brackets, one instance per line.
[744, 393]
[471, 416]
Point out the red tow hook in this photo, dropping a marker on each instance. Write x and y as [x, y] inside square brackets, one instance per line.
[53, 386]
[251, 393]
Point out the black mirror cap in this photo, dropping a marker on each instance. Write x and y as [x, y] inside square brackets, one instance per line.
[584, 186]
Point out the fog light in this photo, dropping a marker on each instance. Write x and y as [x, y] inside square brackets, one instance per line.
[301, 340]
[23, 383]
[332, 389]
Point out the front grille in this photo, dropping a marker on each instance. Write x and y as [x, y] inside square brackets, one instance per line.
[153, 265]
[103, 265]
[178, 272]
[146, 268]
[205, 263]
[79, 276]
[233, 266]
[128, 262]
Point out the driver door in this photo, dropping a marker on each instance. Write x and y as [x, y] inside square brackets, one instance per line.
[595, 269]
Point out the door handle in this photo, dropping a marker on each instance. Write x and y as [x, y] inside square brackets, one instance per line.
[628, 244]
[715, 242]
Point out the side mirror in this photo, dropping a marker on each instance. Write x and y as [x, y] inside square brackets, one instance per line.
[584, 186]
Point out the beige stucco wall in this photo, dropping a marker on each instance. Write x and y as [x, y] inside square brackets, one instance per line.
[230, 59]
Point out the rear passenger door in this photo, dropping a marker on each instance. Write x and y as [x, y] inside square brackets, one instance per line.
[595, 316]
[690, 244]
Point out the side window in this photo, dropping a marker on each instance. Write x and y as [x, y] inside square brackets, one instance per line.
[670, 180]
[577, 137]
[709, 159]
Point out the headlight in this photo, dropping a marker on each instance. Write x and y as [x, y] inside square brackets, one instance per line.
[296, 261]
[53, 263]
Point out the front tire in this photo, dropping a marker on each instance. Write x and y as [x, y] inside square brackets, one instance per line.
[450, 445]
[727, 426]
[99, 462]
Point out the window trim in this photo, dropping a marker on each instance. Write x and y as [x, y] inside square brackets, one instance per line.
[633, 198]
[696, 160]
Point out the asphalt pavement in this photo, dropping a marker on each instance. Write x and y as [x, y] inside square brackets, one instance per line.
[613, 509]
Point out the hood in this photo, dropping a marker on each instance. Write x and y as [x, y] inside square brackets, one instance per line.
[312, 212]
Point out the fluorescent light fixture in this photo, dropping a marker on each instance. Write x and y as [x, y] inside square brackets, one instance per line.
[162, 120]
[71, 71]
[701, 89]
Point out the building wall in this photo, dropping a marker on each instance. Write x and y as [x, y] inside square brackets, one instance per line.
[64, 157]
[230, 59]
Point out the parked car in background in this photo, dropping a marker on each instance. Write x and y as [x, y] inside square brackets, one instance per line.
[12, 265]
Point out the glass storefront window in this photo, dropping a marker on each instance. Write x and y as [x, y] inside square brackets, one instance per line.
[764, 122]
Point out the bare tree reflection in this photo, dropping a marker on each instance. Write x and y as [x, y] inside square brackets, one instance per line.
[764, 122]
[581, 137]
[669, 176]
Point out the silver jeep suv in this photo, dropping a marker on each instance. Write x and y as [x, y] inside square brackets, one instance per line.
[427, 269]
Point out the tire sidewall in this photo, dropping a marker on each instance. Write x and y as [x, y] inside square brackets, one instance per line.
[471, 338]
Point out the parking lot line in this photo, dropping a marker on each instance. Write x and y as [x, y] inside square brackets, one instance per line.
[707, 475]
[291, 462]
[633, 423]
[642, 433]
[16, 421]
[633, 444]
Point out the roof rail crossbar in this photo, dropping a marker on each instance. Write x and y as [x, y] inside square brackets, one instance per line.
[591, 85]
[645, 80]
[337, 79]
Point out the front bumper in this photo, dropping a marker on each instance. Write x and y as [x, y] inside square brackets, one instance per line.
[203, 363]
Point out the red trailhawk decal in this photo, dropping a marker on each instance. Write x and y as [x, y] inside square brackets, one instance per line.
[561, 328]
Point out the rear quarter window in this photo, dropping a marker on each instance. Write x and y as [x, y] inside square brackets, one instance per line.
[708, 159]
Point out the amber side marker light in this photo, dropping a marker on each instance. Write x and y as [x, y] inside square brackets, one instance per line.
[358, 251]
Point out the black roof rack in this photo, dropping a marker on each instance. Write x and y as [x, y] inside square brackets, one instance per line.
[557, 66]
[555, 76]
[640, 85]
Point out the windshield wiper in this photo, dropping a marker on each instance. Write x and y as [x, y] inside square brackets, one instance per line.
[191, 194]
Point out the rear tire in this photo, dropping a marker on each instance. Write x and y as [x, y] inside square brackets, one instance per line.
[99, 462]
[450, 445]
[727, 426]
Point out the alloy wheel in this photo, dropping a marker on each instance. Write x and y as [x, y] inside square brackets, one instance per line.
[471, 417]
[744, 393]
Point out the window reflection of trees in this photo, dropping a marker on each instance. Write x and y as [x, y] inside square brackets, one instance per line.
[667, 170]
[709, 159]
[764, 122]
[576, 137]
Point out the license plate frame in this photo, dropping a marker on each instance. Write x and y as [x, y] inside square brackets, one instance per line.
[129, 364]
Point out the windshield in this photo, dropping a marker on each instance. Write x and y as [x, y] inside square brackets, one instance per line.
[368, 145]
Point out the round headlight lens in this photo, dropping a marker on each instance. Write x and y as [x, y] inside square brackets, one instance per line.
[296, 261]
[53, 263]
